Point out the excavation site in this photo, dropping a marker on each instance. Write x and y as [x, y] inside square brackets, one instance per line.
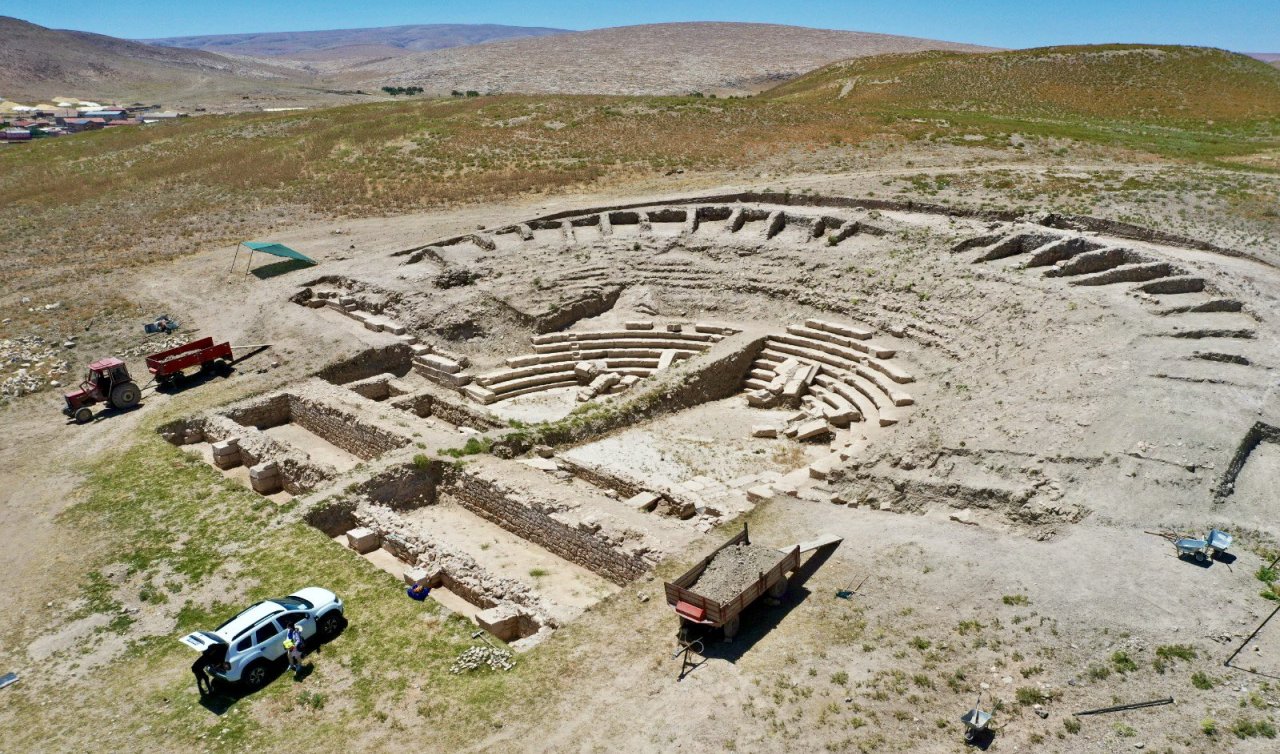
[531, 418]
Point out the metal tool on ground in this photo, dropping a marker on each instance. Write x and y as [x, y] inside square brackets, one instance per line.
[684, 651]
[8, 679]
[696, 609]
[847, 593]
[1123, 707]
[484, 635]
[976, 722]
[1249, 638]
[1203, 550]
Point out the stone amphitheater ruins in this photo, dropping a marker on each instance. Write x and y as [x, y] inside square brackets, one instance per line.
[592, 390]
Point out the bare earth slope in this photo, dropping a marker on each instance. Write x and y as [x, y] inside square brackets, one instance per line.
[412, 38]
[37, 63]
[650, 59]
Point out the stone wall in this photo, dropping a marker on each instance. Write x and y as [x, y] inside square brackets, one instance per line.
[262, 414]
[375, 388]
[625, 485]
[396, 359]
[447, 408]
[717, 373]
[488, 497]
[343, 428]
[404, 487]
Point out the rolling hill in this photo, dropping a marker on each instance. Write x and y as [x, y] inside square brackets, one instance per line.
[1124, 82]
[37, 63]
[675, 58]
[353, 43]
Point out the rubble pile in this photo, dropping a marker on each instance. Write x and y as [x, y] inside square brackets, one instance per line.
[33, 364]
[479, 657]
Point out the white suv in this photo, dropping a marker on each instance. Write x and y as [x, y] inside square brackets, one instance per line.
[254, 640]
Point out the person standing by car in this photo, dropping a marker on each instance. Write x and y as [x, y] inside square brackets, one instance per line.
[293, 645]
[209, 659]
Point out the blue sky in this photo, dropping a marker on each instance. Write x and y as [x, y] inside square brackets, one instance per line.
[1242, 25]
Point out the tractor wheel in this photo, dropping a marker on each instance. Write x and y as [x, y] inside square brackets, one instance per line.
[731, 628]
[779, 589]
[84, 415]
[125, 396]
[222, 368]
[1200, 556]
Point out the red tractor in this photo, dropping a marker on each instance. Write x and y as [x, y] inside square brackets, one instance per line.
[109, 382]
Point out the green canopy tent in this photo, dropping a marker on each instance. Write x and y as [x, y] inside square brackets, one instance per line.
[275, 249]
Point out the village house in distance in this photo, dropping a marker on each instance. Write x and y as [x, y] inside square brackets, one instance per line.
[68, 115]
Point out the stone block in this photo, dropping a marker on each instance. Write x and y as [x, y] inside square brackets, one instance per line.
[585, 371]
[644, 501]
[226, 454]
[265, 484]
[605, 381]
[674, 327]
[760, 493]
[363, 540]
[812, 430]
[821, 468]
[764, 430]
[439, 363]
[395, 328]
[417, 575]
[503, 621]
[264, 470]
[666, 360]
[639, 325]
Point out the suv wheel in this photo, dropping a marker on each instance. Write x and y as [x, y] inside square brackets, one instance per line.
[255, 676]
[329, 625]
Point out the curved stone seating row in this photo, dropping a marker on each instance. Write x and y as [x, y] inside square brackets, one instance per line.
[1085, 261]
[569, 359]
[853, 379]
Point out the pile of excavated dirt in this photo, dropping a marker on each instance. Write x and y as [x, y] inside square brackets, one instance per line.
[734, 569]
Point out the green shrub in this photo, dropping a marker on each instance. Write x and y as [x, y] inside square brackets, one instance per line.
[1244, 728]
[1209, 726]
[1072, 725]
[1201, 681]
[1123, 662]
[1015, 599]
[1028, 695]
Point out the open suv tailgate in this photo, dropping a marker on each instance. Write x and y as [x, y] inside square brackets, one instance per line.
[200, 640]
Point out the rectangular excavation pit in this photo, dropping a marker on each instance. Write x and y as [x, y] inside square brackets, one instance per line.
[396, 360]
[501, 552]
[327, 433]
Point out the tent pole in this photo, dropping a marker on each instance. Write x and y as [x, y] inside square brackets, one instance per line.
[234, 258]
[250, 267]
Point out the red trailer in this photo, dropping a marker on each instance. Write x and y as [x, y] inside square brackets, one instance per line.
[167, 366]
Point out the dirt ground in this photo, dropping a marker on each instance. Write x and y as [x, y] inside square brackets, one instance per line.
[998, 540]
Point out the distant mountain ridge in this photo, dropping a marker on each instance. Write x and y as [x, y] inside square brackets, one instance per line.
[384, 39]
[674, 58]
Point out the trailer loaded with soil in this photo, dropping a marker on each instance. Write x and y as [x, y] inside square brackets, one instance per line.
[713, 594]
